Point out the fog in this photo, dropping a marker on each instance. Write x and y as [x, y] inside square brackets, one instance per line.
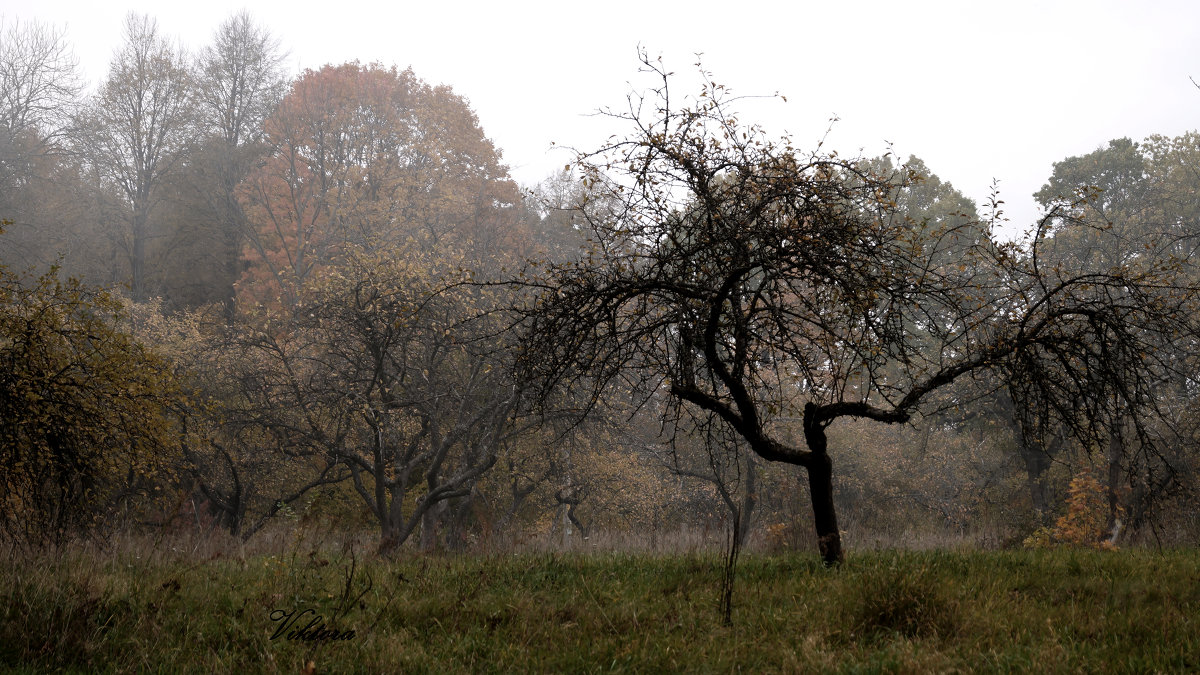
[979, 91]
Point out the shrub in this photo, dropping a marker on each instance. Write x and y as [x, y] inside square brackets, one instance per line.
[1086, 521]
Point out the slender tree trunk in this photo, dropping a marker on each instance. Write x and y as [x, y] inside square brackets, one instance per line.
[749, 501]
[1115, 452]
[228, 512]
[137, 257]
[231, 261]
[237, 517]
[567, 493]
[820, 486]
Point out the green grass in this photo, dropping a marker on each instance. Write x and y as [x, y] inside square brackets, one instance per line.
[1044, 611]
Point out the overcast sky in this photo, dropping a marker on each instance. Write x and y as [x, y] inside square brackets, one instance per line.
[980, 91]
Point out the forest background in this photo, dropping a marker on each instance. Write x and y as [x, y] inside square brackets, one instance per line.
[234, 297]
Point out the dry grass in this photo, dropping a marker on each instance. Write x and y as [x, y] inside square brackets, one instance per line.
[203, 604]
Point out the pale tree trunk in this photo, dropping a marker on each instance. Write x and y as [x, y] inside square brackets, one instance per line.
[565, 495]
[137, 254]
[431, 522]
[745, 513]
[1114, 455]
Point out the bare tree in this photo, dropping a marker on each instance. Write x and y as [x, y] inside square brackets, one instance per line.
[757, 284]
[39, 79]
[136, 129]
[239, 81]
[385, 374]
[39, 88]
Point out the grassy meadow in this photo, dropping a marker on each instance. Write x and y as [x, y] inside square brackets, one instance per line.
[176, 607]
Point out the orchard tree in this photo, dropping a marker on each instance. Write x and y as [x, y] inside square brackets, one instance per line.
[711, 455]
[238, 453]
[1132, 204]
[758, 285]
[397, 378]
[379, 197]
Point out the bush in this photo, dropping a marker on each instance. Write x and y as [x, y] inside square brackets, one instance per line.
[1084, 524]
[85, 425]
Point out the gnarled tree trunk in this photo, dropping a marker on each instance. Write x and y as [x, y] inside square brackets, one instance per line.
[820, 487]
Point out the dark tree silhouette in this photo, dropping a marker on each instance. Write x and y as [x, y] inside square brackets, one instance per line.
[758, 285]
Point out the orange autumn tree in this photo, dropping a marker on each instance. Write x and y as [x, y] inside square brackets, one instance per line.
[380, 196]
[372, 157]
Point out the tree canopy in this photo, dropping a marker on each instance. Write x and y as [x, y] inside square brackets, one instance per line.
[329, 264]
[371, 157]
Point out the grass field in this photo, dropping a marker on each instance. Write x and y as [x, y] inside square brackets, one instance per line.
[214, 611]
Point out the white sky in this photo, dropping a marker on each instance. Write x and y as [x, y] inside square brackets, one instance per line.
[979, 90]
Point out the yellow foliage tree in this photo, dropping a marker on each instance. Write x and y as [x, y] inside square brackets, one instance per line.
[84, 408]
[1086, 521]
